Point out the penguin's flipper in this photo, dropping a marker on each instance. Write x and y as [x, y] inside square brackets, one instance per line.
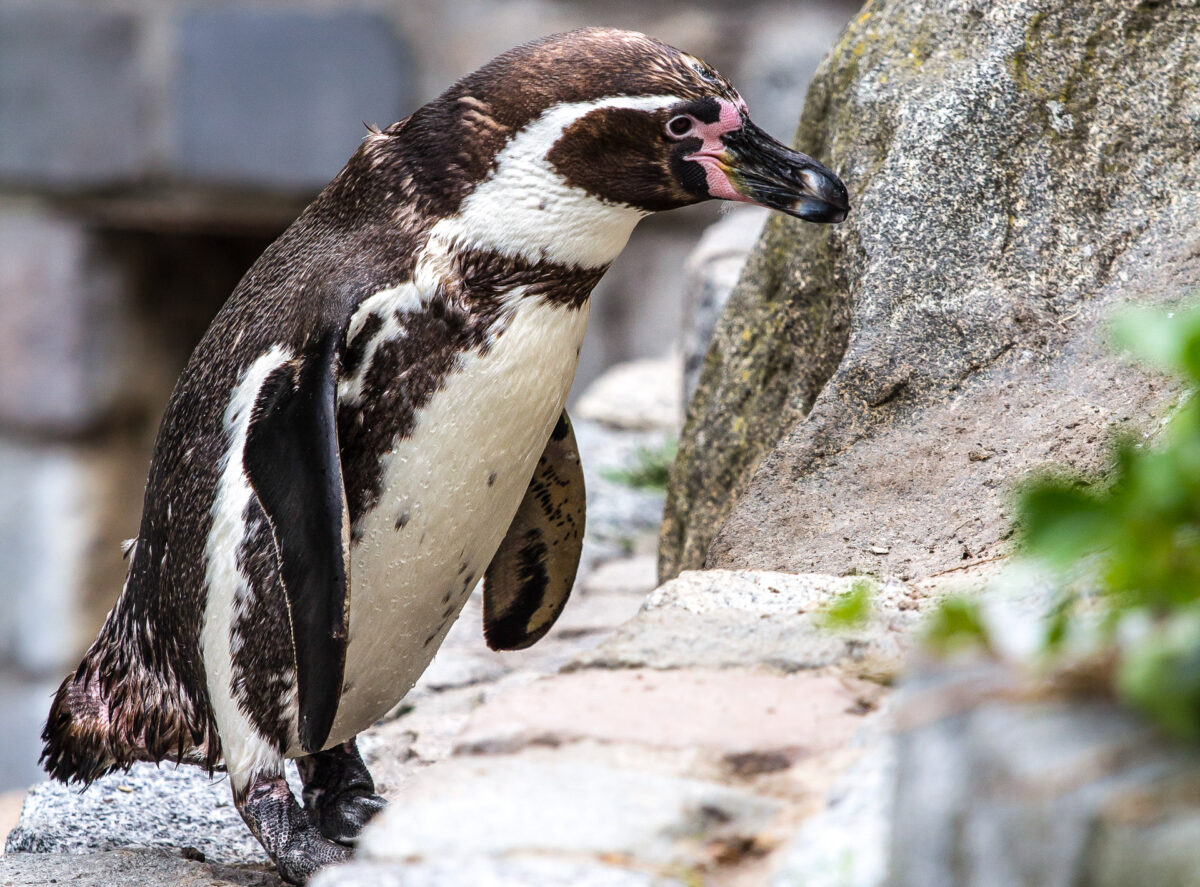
[291, 459]
[526, 585]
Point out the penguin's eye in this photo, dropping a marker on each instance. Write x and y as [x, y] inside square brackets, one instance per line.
[680, 126]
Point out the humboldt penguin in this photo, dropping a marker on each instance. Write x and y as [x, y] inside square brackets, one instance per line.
[374, 422]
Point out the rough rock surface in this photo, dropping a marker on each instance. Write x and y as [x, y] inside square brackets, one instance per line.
[128, 868]
[157, 807]
[508, 769]
[724, 618]
[504, 805]
[846, 845]
[488, 872]
[999, 784]
[1016, 171]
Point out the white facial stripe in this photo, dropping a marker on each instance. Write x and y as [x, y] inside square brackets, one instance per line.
[246, 750]
[525, 209]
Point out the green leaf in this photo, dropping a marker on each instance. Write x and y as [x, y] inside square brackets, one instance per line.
[956, 624]
[1169, 341]
[1060, 522]
[1161, 676]
[851, 608]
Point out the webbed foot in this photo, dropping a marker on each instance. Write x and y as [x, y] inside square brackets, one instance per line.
[285, 830]
[339, 794]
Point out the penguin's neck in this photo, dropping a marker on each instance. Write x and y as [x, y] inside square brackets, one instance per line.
[526, 211]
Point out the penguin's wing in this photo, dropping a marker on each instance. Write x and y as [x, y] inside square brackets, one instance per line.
[527, 583]
[291, 459]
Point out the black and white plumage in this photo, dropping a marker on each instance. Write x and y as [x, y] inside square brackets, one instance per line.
[374, 422]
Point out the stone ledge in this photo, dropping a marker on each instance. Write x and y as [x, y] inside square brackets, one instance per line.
[729, 619]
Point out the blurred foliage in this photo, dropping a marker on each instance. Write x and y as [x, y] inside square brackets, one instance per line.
[651, 468]
[956, 624]
[851, 608]
[1130, 542]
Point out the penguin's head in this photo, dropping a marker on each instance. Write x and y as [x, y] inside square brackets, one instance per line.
[656, 128]
[597, 125]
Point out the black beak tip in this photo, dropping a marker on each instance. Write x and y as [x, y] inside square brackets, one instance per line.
[826, 199]
[812, 209]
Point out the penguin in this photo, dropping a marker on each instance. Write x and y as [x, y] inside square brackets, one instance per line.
[374, 423]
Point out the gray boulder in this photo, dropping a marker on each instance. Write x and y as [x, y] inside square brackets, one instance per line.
[1000, 784]
[1017, 170]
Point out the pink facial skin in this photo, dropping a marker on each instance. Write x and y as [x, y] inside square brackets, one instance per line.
[712, 149]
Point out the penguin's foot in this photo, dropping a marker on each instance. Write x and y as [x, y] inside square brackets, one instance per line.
[339, 794]
[284, 829]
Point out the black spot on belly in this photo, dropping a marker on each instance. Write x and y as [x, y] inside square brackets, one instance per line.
[446, 597]
[402, 520]
[447, 613]
[469, 582]
[491, 478]
[429, 640]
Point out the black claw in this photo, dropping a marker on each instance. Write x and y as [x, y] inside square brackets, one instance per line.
[339, 794]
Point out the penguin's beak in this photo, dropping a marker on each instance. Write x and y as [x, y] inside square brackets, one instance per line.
[763, 171]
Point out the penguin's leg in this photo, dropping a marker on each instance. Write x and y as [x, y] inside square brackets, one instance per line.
[339, 794]
[284, 829]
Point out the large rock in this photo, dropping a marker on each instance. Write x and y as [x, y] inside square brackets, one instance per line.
[1016, 170]
[999, 784]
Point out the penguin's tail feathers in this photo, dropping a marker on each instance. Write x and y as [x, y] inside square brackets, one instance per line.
[97, 726]
[80, 745]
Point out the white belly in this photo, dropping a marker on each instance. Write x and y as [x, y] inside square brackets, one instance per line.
[453, 488]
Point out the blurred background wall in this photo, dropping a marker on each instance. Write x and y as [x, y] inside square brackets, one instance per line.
[149, 151]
